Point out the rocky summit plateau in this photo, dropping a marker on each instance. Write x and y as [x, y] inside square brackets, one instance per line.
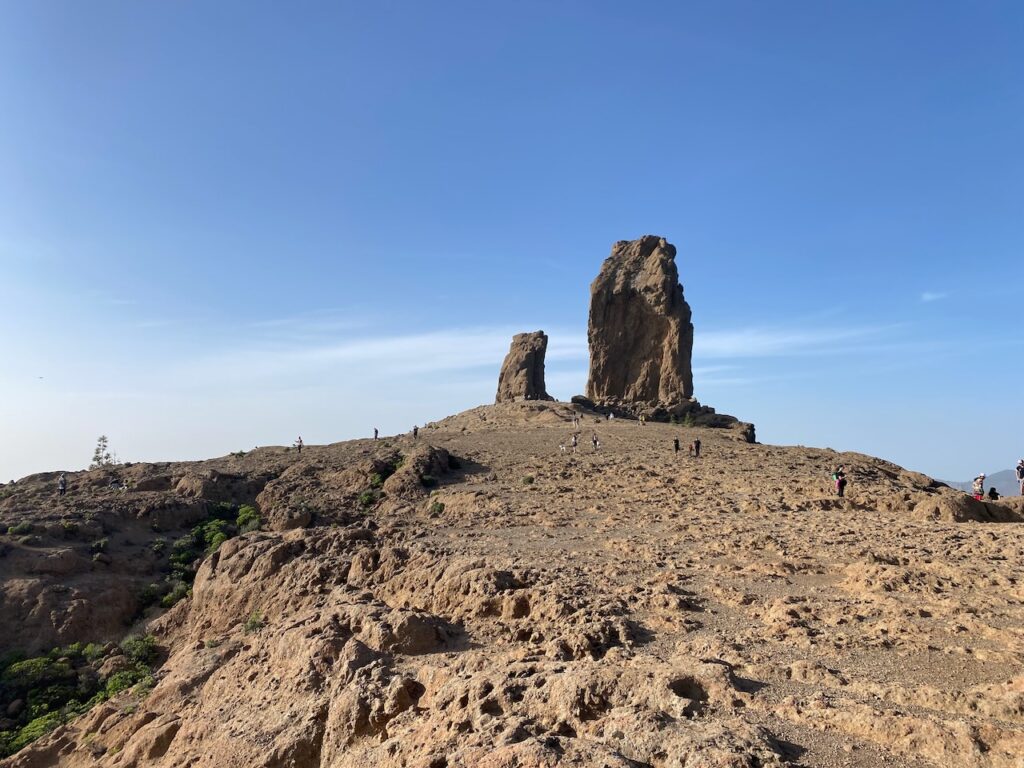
[479, 597]
[527, 584]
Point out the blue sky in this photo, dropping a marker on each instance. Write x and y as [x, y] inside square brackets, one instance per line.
[224, 224]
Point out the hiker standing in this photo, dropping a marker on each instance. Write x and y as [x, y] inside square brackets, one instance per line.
[978, 487]
[1020, 475]
[575, 441]
[298, 444]
[374, 433]
[415, 432]
[62, 485]
[675, 445]
[839, 478]
[595, 442]
[695, 448]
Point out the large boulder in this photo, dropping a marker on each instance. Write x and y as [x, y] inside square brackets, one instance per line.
[639, 330]
[522, 373]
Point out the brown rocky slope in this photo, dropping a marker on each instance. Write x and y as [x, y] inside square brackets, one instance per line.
[481, 597]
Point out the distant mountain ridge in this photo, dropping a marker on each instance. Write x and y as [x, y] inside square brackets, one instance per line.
[1005, 482]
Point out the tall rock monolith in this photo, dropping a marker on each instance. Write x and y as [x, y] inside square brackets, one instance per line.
[639, 330]
[522, 373]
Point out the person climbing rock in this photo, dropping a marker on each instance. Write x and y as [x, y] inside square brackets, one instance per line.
[675, 445]
[62, 485]
[993, 494]
[1020, 475]
[978, 487]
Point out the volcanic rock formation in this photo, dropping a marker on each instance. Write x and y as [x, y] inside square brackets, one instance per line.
[475, 598]
[639, 329]
[522, 373]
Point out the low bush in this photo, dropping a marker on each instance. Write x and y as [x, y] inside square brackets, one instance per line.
[140, 648]
[179, 591]
[248, 519]
[254, 623]
[64, 683]
[20, 529]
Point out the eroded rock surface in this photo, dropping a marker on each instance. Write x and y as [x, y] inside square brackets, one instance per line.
[640, 330]
[522, 372]
[478, 597]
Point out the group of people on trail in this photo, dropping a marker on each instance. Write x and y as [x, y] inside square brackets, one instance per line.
[574, 441]
[694, 447]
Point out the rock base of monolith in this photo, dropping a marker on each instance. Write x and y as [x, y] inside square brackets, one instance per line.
[688, 413]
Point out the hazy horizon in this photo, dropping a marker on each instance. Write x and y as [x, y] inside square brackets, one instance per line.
[229, 224]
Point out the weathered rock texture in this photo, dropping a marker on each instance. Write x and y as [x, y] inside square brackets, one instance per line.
[522, 373]
[640, 333]
[416, 604]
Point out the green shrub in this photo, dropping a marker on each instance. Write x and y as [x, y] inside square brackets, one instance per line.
[150, 594]
[429, 481]
[368, 498]
[20, 529]
[40, 672]
[254, 623]
[34, 730]
[70, 528]
[376, 480]
[436, 508]
[92, 652]
[214, 533]
[42, 701]
[140, 649]
[100, 545]
[122, 681]
[158, 546]
[528, 480]
[179, 591]
[248, 519]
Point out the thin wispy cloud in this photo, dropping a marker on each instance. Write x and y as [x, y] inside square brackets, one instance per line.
[930, 296]
[778, 342]
[304, 354]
